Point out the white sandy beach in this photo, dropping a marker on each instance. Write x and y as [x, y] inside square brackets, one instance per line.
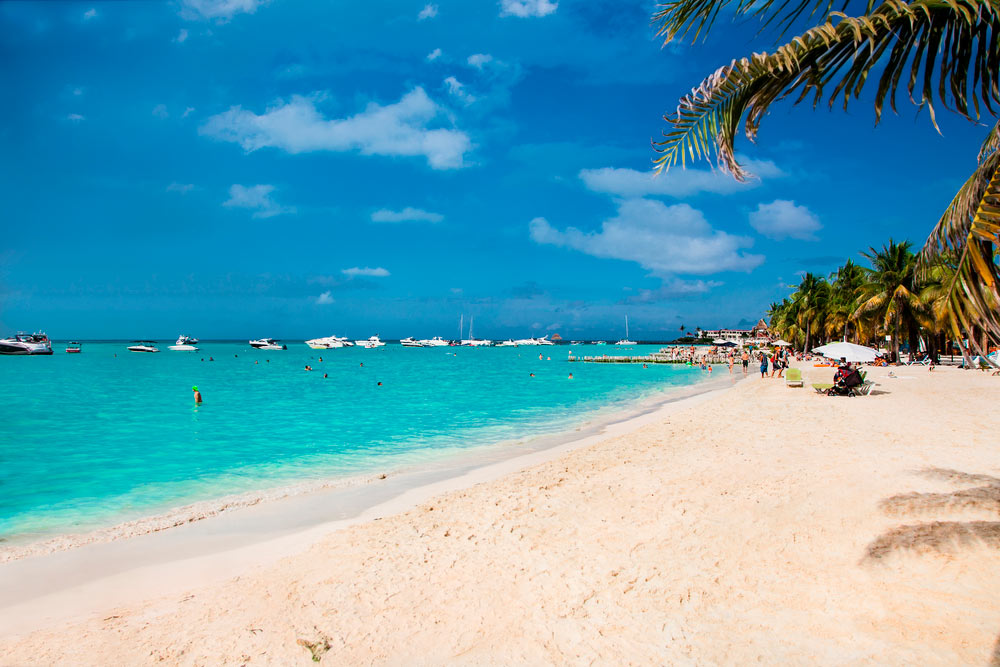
[759, 524]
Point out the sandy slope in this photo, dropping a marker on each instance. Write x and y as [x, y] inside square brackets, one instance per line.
[772, 525]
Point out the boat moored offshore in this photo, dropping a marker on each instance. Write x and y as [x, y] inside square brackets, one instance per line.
[184, 344]
[143, 346]
[22, 343]
[267, 344]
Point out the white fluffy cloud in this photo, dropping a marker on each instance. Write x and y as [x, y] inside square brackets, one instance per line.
[325, 298]
[408, 214]
[428, 12]
[674, 183]
[257, 198]
[217, 9]
[75, 117]
[673, 288]
[457, 90]
[433, 55]
[662, 239]
[399, 129]
[182, 36]
[527, 8]
[89, 14]
[353, 272]
[782, 219]
[479, 60]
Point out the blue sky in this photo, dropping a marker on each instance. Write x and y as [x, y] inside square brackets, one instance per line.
[236, 168]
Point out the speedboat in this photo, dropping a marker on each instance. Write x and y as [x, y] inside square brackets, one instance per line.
[507, 343]
[437, 341]
[143, 346]
[73, 347]
[544, 340]
[475, 342]
[22, 343]
[328, 342]
[409, 342]
[370, 343]
[184, 344]
[267, 344]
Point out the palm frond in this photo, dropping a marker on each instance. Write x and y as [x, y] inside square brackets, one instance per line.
[970, 230]
[950, 43]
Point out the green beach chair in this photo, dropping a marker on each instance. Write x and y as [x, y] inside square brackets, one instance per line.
[793, 377]
[822, 388]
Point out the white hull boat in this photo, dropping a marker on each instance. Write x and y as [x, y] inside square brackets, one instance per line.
[26, 344]
[409, 342]
[267, 344]
[184, 344]
[437, 341]
[143, 346]
[370, 343]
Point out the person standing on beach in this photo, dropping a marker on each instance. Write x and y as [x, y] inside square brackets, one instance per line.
[763, 365]
[746, 362]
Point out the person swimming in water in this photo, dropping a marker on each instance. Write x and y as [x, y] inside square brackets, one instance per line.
[197, 395]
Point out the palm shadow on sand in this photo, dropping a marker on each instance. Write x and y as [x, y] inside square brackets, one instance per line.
[943, 536]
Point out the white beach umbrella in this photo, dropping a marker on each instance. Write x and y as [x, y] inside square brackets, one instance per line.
[782, 343]
[849, 351]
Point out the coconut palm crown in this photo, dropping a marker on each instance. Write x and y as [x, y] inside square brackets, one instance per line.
[941, 52]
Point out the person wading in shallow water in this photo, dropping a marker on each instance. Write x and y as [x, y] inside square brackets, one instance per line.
[197, 395]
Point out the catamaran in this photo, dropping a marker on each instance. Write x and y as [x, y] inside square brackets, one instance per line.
[626, 341]
[471, 340]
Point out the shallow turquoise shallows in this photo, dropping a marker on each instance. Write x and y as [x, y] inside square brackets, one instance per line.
[91, 439]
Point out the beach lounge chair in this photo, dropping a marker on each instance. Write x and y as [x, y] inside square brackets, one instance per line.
[847, 385]
[822, 387]
[793, 377]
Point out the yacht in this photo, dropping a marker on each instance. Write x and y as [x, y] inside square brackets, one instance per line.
[471, 341]
[22, 343]
[409, 342]
[437, 341]
[370, 343]
[143, 346]
[267, 344]
[329, 342]
[544, 340]
[507, 343]
[625, 340]
[184, 344]
[73, 347]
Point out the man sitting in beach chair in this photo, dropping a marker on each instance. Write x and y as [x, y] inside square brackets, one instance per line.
[846, 385]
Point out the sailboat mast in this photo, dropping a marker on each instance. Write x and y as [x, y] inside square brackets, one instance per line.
[461, 326]
[472, 320]
[626, 327]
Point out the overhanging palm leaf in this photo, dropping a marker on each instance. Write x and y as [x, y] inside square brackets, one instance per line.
[948, 47]
[970, 230]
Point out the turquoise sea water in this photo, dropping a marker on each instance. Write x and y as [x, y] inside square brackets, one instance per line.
[92, 439]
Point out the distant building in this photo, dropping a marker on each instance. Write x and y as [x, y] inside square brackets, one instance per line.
[760, 334]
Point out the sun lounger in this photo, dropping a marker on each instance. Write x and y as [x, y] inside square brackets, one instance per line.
[793, 377]
[823, 387]
[865, 389]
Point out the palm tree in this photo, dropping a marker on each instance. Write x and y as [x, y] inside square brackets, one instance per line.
[845, 288]
[810, 299]
[948, 50]
[890, 296]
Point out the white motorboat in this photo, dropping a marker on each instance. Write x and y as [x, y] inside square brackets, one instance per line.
[544, 340]
[143, 346]
[329, 342]
[507, 343]
[437, 341]
[409, 342]
[267, 344]
[371, 343]
[625, 341]
[22, 343]
[184, 344]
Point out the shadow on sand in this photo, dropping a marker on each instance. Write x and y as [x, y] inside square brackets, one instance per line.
[943, 536]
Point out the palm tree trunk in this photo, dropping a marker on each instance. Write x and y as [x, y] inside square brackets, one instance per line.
[895, 340]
